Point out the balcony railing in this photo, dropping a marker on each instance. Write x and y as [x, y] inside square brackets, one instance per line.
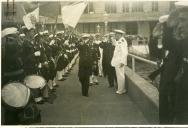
[121, 17]
[141, 59]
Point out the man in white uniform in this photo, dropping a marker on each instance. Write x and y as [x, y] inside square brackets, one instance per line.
[119, 60]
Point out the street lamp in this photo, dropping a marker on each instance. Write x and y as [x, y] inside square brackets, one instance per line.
[106, 22]
[98, 28]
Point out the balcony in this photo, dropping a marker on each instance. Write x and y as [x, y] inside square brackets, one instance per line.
[121, 17]
[116, 17]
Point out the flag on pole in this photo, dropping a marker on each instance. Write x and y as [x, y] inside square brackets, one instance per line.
[31, 18]
[72, 13]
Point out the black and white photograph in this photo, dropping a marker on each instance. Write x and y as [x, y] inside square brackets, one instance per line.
[94, 63]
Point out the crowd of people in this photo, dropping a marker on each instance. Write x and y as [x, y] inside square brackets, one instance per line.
[35, 60]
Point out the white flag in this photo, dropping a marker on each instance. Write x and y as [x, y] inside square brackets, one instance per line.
[71, 13]
[31, 18]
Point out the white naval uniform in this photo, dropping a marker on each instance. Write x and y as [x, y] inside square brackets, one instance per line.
[120, 57]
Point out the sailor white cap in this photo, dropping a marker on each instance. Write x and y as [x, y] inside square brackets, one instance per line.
[60, 32]
[8, 31]
[119, 31]
[41, 33]
[85, 35]
[111, 33]
[24, 27]
[22, 35]
[181, 4]
[163, 18]
[45, 32]
[51, 35]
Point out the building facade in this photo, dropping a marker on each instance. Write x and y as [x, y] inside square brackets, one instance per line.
[134, 17]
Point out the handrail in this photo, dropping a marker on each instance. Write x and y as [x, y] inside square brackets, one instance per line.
[141, 59]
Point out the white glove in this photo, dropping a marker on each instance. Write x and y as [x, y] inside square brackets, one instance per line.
[45, 62]
[52, 42]
[40, 65]
[65, 56]
[37, 53]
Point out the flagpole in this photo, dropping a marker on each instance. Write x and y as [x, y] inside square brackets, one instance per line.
[55, 26]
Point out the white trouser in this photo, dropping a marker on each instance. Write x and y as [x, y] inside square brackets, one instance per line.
[100, 67]
[93, 79]
[50, 84]
[59, 75]
[120, 73]
[45, 92]
[54, 82]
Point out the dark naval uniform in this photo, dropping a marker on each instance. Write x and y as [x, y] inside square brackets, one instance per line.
[85, 64]
[168, 74]
[29, 59]
[61, 61]
[108, 70]
[95, 56]
[181, 80]
[12, 65]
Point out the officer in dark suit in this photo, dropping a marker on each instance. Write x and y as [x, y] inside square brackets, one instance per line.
[85, 64]
[108, 51]
[173, 91]
[167, 87]
[181, 79]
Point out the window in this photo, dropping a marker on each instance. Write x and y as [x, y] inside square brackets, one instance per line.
[90, 27]
[131, 28]
[172, 5]
[112, 26]
[110, 7]
[9, 10]
[89, 8]
[126, 7]
[154, 6]
[137, 6]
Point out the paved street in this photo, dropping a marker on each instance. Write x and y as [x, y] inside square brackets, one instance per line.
[102, 107]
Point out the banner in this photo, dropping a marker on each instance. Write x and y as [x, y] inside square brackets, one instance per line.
[72, 13]
[31, 18]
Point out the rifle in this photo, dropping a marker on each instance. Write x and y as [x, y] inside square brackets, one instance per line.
[155, 73]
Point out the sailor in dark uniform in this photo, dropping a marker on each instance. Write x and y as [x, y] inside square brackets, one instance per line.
[108, 51]
[173, 89]
[167, 85]
[62, 58]
[12, 65]
[85, 64]
[95, 58]
[181, 79]
[29, 53]
[54, 53]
